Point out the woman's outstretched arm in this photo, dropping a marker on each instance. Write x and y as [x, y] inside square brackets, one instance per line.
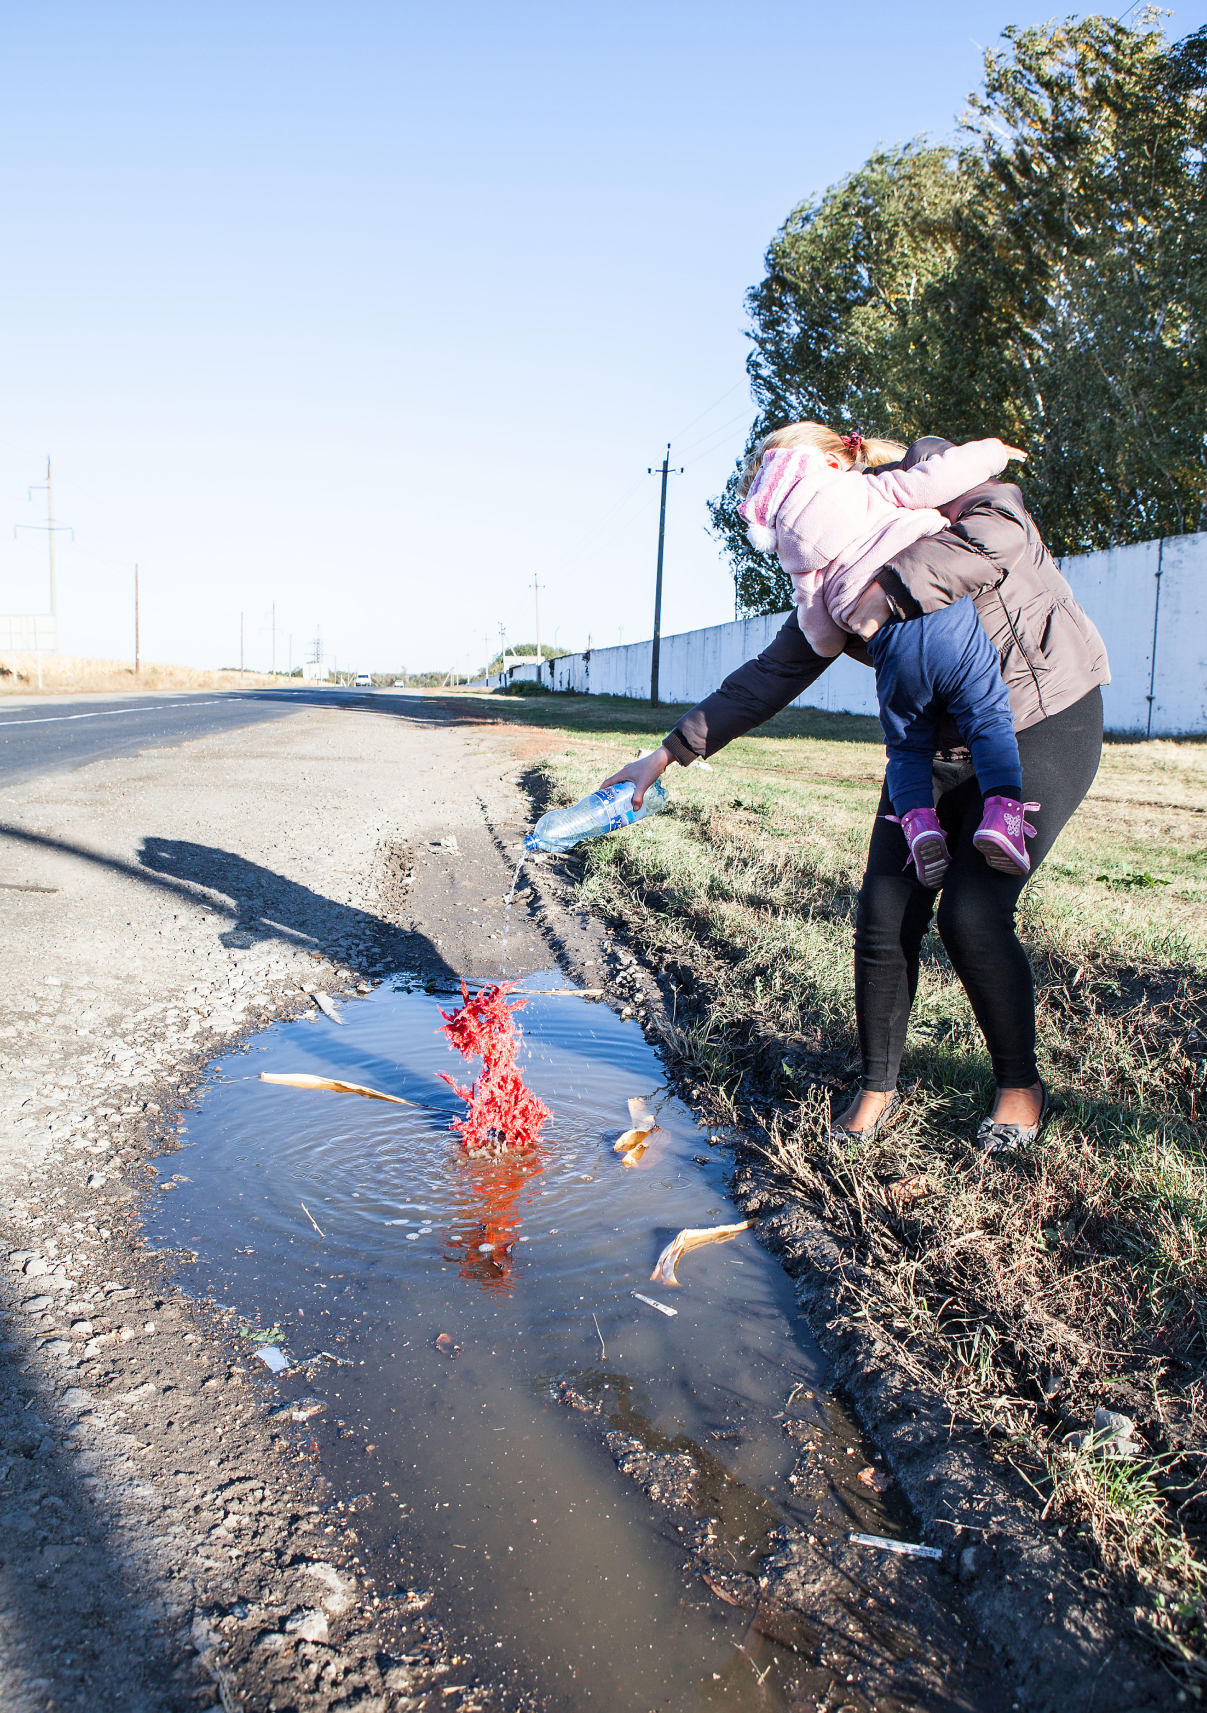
[752, 694]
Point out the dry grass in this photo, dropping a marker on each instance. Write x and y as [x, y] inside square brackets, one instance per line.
[66, 674]
[1027, 1291]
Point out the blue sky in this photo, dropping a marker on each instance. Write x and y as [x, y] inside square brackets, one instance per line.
[381, 311]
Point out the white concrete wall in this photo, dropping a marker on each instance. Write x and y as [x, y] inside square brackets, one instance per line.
[695, 662]
[1134, 607]
[1121, 590]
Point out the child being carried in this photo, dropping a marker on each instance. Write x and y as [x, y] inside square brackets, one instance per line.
[835, 529]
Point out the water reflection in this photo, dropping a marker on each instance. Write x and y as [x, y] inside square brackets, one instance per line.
[485, 1225]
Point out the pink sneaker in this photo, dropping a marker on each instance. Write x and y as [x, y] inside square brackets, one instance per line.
[999, 838]
[927, 846]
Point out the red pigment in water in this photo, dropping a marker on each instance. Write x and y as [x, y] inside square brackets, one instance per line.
[502, 1112]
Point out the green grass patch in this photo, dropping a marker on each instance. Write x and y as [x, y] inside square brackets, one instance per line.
[1028, 1291]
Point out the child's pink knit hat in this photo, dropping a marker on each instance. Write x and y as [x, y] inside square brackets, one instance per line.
[779, 473]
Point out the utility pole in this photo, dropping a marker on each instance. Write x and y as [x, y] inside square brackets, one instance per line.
[54, 602]
[136, 666]
[536, 595]
[50, 527]
[665, 472]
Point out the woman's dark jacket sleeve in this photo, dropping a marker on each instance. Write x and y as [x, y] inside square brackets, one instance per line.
[752, 694]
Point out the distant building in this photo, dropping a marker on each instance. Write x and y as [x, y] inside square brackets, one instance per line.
[29, 633]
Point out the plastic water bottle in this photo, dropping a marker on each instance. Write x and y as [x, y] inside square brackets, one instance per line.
[604, 811]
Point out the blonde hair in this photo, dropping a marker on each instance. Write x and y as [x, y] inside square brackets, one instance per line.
[855, 452]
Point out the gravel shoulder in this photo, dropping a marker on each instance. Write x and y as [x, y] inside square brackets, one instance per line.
[162, 1545]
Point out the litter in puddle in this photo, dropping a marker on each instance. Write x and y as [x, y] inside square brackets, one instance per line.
[663, 1308]
[299, 1079]
[633, 1144]
[445, 1345]
[906, 1548]
[300, 1409]
[692, 1238]
[324, 1005]
[272, 1358]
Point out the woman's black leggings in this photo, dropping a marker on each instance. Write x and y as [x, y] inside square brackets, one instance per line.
[1060, 757]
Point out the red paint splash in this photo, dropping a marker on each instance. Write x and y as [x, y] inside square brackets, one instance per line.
[502, 1112]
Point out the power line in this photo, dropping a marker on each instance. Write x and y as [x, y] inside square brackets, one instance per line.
[712, 433]
[695, 419]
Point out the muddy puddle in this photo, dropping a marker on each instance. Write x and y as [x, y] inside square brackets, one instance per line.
[462, 1298]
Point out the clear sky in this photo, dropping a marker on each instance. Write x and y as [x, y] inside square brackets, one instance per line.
[381, 311]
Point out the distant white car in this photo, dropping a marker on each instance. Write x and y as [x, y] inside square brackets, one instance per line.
[363, 681]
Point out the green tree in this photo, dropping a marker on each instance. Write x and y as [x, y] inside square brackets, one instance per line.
[520, 651]
[1093, 136]
[1048, 283]
[832, 319]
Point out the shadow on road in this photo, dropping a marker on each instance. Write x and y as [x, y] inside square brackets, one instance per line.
[255, 903]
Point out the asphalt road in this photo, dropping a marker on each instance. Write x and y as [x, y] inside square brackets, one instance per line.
[43, 738]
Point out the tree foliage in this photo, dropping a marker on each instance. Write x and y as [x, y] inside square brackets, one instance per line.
[1047, 283]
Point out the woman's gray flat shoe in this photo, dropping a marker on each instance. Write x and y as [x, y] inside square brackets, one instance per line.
[994, 1138]
[840, 1138]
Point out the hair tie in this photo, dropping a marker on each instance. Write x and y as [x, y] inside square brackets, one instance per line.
[852, 442]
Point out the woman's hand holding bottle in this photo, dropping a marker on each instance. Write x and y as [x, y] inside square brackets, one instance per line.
[643, 772]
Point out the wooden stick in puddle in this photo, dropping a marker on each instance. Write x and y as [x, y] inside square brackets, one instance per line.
[298, 1079]
[692, 1238]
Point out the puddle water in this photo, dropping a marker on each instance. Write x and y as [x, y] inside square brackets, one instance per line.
[483, 1487]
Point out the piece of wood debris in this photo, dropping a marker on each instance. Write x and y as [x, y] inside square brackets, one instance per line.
[300, 1079]
[692, 1238]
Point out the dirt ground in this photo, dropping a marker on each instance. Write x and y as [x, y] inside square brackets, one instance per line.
[162, 1545]
[157, 1550]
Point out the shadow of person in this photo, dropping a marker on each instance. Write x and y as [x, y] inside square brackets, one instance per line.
[259, 903]
[264, 905]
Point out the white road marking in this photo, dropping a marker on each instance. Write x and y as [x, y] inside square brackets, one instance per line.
[154, 708]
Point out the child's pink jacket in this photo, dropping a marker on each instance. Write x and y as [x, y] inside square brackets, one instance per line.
[834, 529]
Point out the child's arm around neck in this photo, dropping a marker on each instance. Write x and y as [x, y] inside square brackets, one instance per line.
[945, 476]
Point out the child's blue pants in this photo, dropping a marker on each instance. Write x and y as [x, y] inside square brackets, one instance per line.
[943, 659]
